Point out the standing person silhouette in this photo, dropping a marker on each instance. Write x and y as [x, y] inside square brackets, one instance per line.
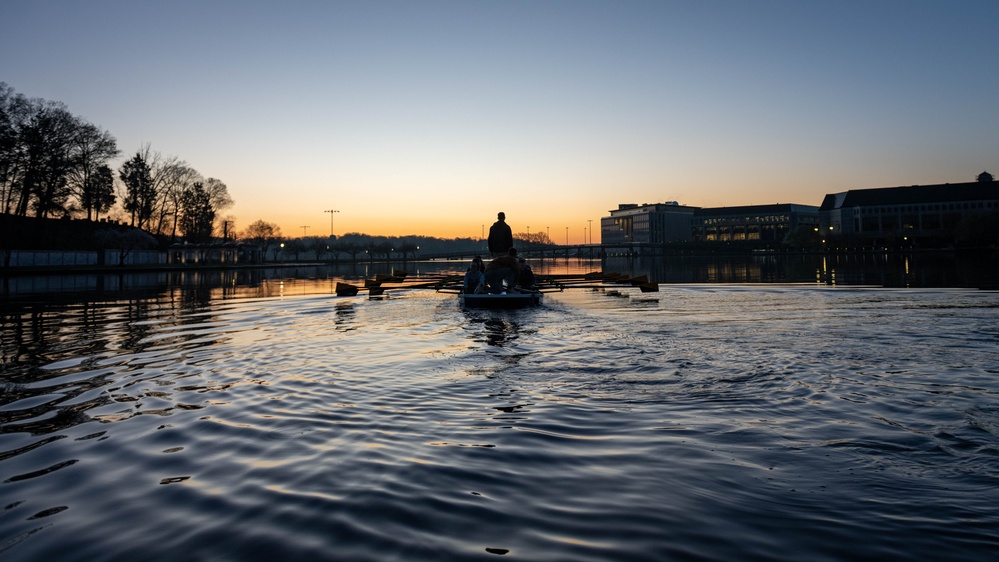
[500, 237]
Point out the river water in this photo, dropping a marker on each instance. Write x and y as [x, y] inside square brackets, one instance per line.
[765, 421]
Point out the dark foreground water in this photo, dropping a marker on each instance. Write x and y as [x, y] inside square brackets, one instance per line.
[705, 422]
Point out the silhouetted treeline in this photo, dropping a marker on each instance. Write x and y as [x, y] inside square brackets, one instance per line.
[54, 164]
[355, 246]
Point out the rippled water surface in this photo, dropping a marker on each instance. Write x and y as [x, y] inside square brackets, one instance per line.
[704, 422]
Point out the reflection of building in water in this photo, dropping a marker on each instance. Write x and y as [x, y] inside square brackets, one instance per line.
[890, 214]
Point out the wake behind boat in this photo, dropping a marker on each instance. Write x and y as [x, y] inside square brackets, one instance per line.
[515, 299]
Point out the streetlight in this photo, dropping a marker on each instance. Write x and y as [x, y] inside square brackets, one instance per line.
[590, 222]
[567, 238]
[331, 211]
[305, 230]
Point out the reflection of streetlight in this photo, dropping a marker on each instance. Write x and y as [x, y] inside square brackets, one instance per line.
[331, 211]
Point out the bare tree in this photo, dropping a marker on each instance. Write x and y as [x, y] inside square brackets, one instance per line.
[218, 196]
[15, 110]
[171, 177]
[263, 234]
[48, 158]
[48, 138]
[318, 244]
[92, 149]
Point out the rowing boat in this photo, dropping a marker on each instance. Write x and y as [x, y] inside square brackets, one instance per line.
[517, 299]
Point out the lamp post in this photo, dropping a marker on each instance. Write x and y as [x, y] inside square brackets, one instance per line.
[590, 223]
[331, 211]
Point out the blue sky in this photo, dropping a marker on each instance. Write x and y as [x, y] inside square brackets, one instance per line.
[428, 117]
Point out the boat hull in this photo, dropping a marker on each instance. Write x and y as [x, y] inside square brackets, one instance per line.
[508, 300]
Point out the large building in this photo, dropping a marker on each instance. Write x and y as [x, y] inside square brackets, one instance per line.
[891, 214]
[658, 223]
[672, 223]
[885, 215]
[765, 224]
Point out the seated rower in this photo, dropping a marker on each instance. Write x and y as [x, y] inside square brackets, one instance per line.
[527, 280]
[503, 271]
[475, 281]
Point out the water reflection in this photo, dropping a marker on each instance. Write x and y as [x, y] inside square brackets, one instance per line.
[500, 331]
[195, 288]
[943, 269]
[344, 316]
[492, 327]
[579, 430]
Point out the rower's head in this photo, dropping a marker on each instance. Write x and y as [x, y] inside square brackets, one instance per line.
[501, 216]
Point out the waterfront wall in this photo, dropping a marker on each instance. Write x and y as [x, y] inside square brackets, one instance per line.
[83, 259]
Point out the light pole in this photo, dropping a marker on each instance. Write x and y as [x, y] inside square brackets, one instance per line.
[305, 230]
[590, 223]
[567, 239]
[331, 211]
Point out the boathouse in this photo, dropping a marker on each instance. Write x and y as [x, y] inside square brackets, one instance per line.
[918, 213]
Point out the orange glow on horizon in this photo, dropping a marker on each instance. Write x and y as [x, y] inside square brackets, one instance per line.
[443, 230]
[344, 222]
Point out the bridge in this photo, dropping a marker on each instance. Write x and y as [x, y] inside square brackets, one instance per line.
[582, 251]
[600, 251]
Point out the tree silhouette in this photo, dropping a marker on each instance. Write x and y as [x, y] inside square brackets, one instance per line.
[140, 195]
[47, 137]
[261, 233]
[92, 149]
[197, 217]
[97, 193]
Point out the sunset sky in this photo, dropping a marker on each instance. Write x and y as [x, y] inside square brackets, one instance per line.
[428, 117]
